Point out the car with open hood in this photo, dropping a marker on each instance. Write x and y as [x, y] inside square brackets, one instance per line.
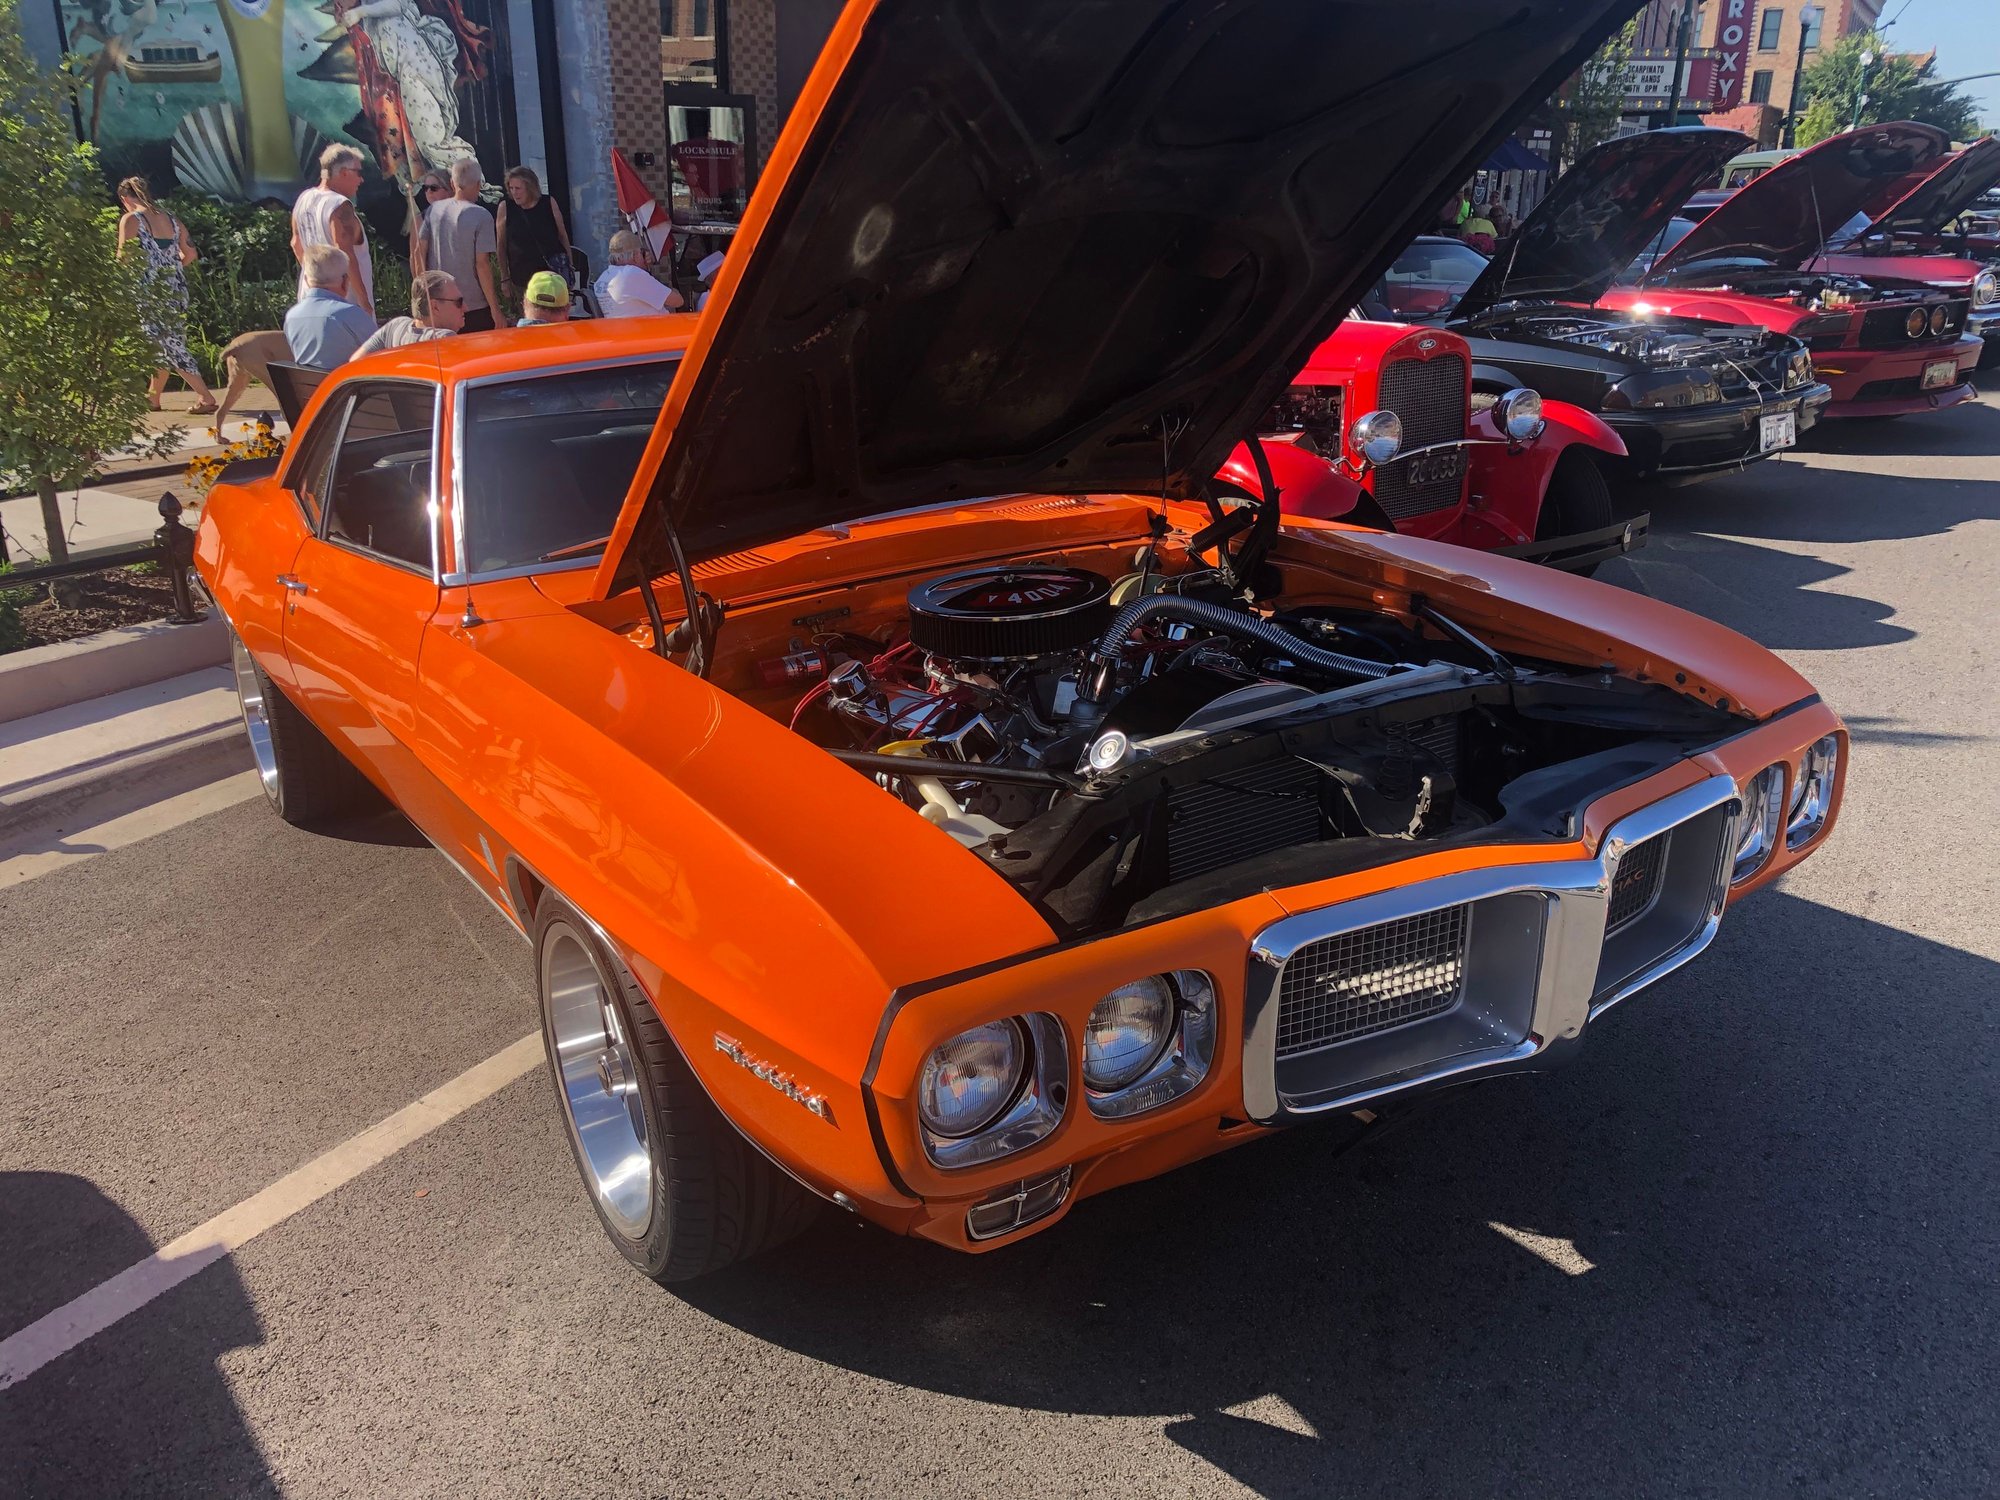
[931, 796]
[1382, 427]
[1902, 234]
[1687, 397]
[1886, 344]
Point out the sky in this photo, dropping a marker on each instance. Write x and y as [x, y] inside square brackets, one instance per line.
[1966, 34]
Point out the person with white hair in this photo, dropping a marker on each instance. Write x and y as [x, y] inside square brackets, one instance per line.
[458, 239]
[437, 310]
[626, 289]
[324, 328]
[325, 215]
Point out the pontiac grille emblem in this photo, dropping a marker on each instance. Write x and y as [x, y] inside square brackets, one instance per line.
[777, 1077]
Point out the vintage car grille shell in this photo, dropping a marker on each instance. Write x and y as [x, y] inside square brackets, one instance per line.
[1479, 972]
[1430, 397]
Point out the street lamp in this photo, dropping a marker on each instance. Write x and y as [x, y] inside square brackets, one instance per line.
[1809, 17]
[1685, 24]
[1860, 98]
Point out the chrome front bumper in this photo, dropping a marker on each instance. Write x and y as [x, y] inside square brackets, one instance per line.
[1539, 962]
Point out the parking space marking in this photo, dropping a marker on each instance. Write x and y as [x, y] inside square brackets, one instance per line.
[29, 853]
[54, 1335]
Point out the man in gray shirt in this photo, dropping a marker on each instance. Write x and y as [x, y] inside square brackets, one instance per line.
[436, 311]
[323, 327]
[457, 238]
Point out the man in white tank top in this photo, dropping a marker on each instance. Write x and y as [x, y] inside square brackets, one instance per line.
[325, 215]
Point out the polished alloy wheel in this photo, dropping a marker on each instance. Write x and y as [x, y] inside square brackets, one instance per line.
[256, 718]
[600, 1084]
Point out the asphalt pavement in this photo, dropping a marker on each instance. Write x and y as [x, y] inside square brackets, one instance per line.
[1746, 1245]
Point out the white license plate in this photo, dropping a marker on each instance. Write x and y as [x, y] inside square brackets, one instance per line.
[1780, 430]
[1940, 373]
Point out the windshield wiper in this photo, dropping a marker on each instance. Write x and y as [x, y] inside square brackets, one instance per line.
[575, 550]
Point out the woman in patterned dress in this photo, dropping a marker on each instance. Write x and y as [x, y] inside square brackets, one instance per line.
[168, 251]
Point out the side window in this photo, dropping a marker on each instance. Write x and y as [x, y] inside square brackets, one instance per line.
[306, 475]
[379, 497]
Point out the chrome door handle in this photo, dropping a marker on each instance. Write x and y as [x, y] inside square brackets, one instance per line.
[292, 582]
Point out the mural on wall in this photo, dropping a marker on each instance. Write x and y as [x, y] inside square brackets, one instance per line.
[236, 98]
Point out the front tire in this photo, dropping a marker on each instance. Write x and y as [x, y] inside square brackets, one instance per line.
[1578, 499]
[305, 779]
[677, 1190]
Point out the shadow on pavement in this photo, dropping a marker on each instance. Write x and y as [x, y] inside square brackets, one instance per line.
[1775, 1185]
[141, 1409]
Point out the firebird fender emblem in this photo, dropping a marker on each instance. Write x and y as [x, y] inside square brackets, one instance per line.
[777, 1077]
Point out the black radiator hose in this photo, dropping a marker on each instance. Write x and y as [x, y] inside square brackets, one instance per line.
[1219, 617]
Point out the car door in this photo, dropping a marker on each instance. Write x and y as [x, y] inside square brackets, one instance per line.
[264, 545]
[364, 588]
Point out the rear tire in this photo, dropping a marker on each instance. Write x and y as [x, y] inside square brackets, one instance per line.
[677, 1189]
[305, 779]
[1578, 499]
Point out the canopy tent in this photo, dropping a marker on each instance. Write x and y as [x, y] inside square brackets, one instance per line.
[1511, 156]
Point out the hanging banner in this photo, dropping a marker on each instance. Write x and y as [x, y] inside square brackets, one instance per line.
[1732, 51]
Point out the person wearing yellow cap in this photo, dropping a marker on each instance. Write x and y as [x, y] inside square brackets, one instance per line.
[546, 300]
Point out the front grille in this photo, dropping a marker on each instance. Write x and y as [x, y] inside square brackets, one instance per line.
[1637, 884]
[1241, 814]
[1356, 983]
[1429, 396]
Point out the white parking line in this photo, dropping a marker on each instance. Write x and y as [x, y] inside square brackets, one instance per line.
[25, 855]
[52, 1336]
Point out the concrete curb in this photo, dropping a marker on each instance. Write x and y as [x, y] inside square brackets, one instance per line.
[46, 677]
[100, 793]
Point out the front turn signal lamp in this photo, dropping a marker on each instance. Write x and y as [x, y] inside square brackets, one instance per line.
[1757, 828]
[1812, 793]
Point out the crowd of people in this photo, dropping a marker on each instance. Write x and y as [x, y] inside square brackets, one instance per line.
[467, 264]
[1480, 225]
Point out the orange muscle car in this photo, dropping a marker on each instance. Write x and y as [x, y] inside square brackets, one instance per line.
[923, 788]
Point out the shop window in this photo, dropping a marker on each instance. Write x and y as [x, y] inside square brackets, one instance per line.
[691, 34]
[1771, 23]
[1760, 86]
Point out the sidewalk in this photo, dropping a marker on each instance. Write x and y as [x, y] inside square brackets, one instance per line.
[97, 761]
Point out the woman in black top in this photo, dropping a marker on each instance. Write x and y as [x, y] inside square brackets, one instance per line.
[531, 233]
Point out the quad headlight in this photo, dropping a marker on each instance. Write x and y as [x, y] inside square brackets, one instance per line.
[1757, 829]
[1917, 323]
[1149, 1042]
[1519, 414]
[967, 1083]
[1985, 289]
[1940, 320]
[1800, 370]
[1812, 792]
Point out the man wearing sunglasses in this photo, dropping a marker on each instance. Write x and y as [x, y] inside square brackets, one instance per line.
[432, 187]
[437, 310]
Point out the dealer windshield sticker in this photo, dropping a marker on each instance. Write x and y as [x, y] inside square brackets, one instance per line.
[777, 1077]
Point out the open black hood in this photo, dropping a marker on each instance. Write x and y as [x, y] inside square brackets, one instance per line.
[1785, 216]
[1601, 213]
[1944, 193]
[1066, 245]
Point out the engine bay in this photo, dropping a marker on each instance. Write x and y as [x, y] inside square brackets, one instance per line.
[1664, 343]
[1132, 745]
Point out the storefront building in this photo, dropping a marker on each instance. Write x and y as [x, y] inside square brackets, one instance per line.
[236, 98]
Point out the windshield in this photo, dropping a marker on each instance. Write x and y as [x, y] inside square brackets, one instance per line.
[1425, 282]
[1676, 231]
[545, 461]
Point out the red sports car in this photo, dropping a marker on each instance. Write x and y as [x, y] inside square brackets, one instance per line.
[1887, 345]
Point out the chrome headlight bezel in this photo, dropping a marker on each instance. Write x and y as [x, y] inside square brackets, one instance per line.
[1376, 436]
[1811, 801]
[1031, 1111]
[1757, 826]
[1940, 320]
[1985, 289]
[1917, 323]
[1518, 413]
[1181, 1064]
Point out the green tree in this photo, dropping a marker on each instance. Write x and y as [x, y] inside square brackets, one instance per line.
[1594, 97]
[74, 359]
[1899, 86]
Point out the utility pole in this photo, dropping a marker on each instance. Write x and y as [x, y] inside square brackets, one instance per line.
[1809, 17]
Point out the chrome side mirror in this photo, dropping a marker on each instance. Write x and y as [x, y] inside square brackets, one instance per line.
[1519, 415]
[1377, 436]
